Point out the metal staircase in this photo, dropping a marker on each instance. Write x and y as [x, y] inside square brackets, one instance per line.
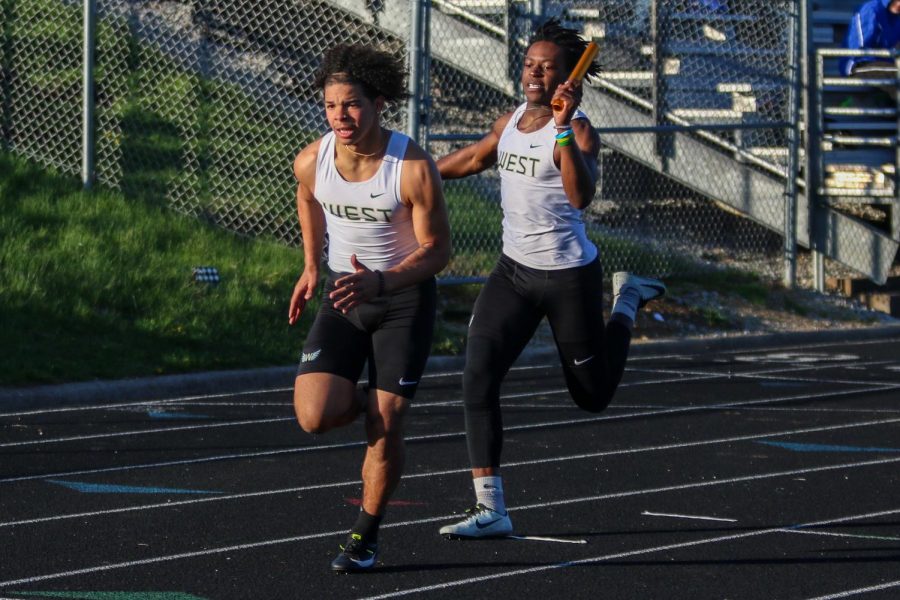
[733, 174]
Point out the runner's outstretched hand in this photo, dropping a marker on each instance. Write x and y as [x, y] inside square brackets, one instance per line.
[303, 293]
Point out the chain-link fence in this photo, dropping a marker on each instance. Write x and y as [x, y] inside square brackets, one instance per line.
[201, 105]
[663, 204]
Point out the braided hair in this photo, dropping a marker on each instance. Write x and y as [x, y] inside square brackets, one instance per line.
[571, 43]
[377, 73]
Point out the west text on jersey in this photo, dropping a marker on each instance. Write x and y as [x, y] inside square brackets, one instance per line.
[516, 163]
[358, 213]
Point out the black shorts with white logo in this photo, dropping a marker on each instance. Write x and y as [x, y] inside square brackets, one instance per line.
[393, 333]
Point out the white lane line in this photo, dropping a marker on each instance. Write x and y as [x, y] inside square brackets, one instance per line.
[861, 536]
[863, 411]
[150, 405]
[617, 556]
[837, 344]
[97, 436]
[182, 399]
[538, 538]
[705, 407]
[94, 436]
[695, 517]
[816, 380]
[773, 373]
[681, 487]
[710, 483]
[693, 377]
[90, 407]
[858, 591]
[429, 474]
[551, 365]
[434, 436]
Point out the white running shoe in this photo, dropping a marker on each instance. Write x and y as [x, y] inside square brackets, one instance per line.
[480, 522]
[648, 289]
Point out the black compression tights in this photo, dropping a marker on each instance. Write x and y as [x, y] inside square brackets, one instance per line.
[506, 315]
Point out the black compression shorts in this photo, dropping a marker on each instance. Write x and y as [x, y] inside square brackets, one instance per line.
[393, 333]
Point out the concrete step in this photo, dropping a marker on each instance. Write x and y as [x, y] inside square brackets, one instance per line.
[854, 287]
[888, 302]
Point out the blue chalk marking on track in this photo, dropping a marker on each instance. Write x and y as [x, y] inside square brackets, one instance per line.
[101, 488]
[159, 414]
[825, 447]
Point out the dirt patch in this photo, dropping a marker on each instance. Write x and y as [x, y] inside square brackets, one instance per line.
[710, 313]
[689, 310]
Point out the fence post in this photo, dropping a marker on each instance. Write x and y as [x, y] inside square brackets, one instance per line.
[87, 131]
[665, 141]
[790, 193]
[895, 207]
[416, 52]
[811, 97]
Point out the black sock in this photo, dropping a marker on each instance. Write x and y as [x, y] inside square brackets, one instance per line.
[367, 526]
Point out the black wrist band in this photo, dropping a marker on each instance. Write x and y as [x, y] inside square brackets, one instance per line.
[380, 283]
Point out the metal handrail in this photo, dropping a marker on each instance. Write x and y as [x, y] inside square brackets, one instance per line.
[847, 52]
[818, 145]
[456, 11]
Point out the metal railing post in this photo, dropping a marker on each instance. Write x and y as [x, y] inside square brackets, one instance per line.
[818, 223]
[789, 279]
[87, 128]
[811, 105]
[665, 142]
[425, 79]
[416, 39]
[895, 207]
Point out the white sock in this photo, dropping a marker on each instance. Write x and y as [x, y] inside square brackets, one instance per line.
[489, 491]
[627, 302]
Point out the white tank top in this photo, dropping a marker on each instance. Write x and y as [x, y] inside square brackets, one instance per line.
[365, 218]
[541, 229]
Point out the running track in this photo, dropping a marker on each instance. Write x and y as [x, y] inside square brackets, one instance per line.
[764, 468]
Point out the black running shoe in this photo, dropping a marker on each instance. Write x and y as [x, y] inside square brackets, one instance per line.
[356, 555]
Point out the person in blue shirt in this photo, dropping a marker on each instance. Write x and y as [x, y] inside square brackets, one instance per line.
[876, 24]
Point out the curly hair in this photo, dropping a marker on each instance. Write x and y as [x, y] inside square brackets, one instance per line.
[377, 73]
[571, 43]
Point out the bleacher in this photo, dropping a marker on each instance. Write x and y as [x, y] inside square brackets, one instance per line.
[701, 53]
[860, 169]
[722, 68]
[714, 69]
[717, 65]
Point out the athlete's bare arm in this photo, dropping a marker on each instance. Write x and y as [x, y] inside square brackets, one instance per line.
[577, 161]
[476, 157]
[578, 164]
[312, 229]
[420, 187]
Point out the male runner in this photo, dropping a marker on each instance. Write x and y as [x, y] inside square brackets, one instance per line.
[547, 162]
[378, 196]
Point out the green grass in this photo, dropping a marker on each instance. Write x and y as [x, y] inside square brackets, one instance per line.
[744, 284]
[94, 285]
[98, 285]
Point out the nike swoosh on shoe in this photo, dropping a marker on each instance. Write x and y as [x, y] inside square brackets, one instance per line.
[481, 525]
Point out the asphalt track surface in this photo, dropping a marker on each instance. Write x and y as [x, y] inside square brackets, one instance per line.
[748, 471]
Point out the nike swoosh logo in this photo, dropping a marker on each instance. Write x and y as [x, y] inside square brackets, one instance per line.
[376, 195]
[404, 382]
[481, 525]
[535, 145]
[578, 363]
[366, 561]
